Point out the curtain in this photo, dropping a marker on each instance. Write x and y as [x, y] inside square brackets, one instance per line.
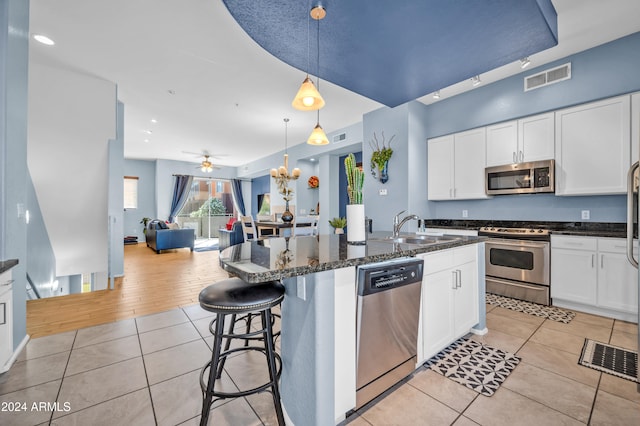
[236, 186]
[181, 188]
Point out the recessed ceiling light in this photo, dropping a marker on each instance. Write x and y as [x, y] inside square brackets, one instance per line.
[524, 62]
[153, 120]
[312, 159]
[43, 39]
[436, 95]
[146, 140]
[148, 131]
[476, 80]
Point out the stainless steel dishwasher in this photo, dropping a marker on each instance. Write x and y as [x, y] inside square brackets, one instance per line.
[387, 325]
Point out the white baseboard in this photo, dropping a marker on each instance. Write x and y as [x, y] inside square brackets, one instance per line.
[479, 332]
[15, 355]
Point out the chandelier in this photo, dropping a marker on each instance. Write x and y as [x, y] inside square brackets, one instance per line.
[281, 174]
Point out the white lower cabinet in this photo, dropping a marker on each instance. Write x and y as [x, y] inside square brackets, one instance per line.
[449, 298]
[593, 274]
[6, 320]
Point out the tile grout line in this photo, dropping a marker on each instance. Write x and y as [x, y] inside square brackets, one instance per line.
[75, 335]
[146, 375]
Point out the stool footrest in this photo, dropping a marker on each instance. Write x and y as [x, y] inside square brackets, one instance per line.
[261, 388]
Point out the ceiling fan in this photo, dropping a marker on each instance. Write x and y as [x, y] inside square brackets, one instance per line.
[206, 165]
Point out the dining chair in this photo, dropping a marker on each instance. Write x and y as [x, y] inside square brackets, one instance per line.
[306, 230]
[248, 228]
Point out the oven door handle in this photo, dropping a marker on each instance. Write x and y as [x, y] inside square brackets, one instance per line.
[527, 244]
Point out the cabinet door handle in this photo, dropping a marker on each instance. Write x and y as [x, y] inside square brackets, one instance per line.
[454, 280]
[4, 313]
[6, 283]
[521, 156]
[514, 157]
[459, 275]
[602, 261]
[593, 260]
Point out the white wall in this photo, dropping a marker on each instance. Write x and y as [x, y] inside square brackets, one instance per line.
[72, 116]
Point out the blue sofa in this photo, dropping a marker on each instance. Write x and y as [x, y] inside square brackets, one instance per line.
[160, 237]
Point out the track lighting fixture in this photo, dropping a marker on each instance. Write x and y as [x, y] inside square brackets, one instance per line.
[475, 80]
[524, 62]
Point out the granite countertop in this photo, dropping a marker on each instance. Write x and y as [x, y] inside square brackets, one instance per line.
[5, 265]
[276, 258]
[587, 229]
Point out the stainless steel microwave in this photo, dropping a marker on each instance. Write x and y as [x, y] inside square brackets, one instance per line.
[521, 178]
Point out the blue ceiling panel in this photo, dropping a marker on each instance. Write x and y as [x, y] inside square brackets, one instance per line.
[397, 51]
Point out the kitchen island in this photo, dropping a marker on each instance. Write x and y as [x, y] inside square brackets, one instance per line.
[318, 347]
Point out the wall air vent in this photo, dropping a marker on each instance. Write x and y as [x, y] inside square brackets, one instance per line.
[339, 138]
[545, 78]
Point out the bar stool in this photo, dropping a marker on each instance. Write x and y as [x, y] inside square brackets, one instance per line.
[233, 297]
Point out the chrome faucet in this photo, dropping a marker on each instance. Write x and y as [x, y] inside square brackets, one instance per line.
[397, 223]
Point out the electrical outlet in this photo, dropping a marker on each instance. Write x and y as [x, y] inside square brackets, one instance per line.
[301, 291]
[382, 191]
[465, 213]
[586, 214]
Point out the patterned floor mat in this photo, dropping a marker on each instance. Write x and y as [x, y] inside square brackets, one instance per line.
[610, 359]
[479, 367]
[549, 312]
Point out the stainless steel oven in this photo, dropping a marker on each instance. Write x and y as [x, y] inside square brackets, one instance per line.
[517, 263]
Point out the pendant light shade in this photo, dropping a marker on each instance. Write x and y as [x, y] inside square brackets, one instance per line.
[308, 98]
[318, 137]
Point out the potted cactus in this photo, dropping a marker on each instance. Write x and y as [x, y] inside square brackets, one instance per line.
[355, 210]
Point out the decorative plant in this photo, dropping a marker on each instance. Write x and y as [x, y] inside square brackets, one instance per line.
[380, 157]
[211, 207]
[338, 222]
[355, 179]
[144, 222]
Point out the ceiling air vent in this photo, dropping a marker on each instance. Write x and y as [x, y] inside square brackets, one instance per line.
[339, 138]
[545, 78]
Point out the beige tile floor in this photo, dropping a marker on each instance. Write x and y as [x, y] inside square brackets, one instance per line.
[548, 387]
[144, 371]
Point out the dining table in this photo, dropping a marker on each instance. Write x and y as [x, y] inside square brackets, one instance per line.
[275, 227]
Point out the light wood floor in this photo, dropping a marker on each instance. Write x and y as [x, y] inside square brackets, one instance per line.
[152, 283]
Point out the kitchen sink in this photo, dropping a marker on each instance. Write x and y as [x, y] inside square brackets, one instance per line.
[421, 239]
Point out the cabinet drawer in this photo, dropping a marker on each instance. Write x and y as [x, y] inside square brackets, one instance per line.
[438, 261]
[447, 259]
[574, 243]
[465, 254]
[615, 245]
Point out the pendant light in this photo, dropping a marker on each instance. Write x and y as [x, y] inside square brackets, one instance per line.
[308, 97]
[318, 136]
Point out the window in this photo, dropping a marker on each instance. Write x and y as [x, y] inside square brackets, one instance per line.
[130, 192]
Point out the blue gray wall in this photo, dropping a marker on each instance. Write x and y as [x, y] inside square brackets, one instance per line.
[14, 59]
[41, 265]
[601, 72]
[146, 173]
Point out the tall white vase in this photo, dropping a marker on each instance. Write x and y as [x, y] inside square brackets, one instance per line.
[355, 224]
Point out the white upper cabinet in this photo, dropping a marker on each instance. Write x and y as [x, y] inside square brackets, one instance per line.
[455, 166]
[502, 143]
[528, 139]
[635, 127]
[593, 147]
[440, 168]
